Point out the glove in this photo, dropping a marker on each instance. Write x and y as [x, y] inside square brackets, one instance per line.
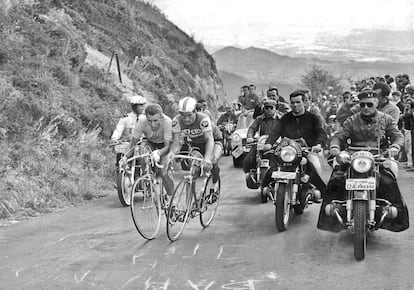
[249, 140]
[334, 151]
[393, 151]
[316, 149]
[156, 156]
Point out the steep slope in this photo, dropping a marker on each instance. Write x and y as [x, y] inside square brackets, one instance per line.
[59, 103]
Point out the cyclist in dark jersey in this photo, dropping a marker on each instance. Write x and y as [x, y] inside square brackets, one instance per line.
[199, 130]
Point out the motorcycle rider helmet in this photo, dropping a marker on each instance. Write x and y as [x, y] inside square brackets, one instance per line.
[187, 104]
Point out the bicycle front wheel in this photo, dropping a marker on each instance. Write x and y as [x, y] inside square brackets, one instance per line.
[210, 201]
[145, 208]
[179, 210]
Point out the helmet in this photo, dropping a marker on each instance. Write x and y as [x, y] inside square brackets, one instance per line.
[137, 99]
[187, 104]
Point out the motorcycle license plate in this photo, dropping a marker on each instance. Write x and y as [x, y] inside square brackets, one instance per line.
[360, 184]
[283, 175]
[237, 152]
[264, 163]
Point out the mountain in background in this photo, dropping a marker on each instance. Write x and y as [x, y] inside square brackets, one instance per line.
[262, 66]
[358, 45]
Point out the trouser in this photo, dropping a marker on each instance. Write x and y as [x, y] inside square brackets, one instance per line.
[408, 146]
[249, 161]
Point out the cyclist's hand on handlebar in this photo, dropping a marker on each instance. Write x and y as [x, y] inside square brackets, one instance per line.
[316, 149]
[156, 156]
[334, 151]
[249, 140]
[207, 164]
[393, 152]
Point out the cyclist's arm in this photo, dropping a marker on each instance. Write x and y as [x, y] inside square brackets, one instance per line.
[168, 136]
[175, 145]
[208, 137]
[117, 134]
[136, 135]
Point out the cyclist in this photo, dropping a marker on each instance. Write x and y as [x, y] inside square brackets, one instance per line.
[156, 127]
[125, 127]
[197, 127]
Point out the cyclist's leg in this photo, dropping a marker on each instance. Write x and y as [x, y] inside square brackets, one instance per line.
[166, 177]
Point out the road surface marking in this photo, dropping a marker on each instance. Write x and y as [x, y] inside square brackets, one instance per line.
[18, 271]
[156, 285]
[195, 249]
[242, 285]
[202, 283]
[130, 280]
[222, 248]
[154, 265]
[272, 275]
[136, 256]
[81, 279]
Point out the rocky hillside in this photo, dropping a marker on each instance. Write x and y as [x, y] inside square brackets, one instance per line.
[59, 101]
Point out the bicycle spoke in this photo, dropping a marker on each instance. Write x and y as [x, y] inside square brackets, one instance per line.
[145, 208]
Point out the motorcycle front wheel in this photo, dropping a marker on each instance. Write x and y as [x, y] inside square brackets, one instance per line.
[282, 210]
[360, 229]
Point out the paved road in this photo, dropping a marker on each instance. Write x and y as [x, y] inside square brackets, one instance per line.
[97, 247]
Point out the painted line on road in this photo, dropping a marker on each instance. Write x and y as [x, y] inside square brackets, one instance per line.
[222, 249]
[202, 283]
[22, 269]
[136, 257]
[81, 279]
[130, 280]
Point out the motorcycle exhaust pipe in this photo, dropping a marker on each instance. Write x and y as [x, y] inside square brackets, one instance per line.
[333, 211]
[389, 211]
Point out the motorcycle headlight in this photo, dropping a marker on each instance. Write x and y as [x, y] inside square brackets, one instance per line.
[343, 158]
[288, 154]
[236, 138]
[361, 164]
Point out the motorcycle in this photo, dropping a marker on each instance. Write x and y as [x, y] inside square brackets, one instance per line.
[255, 176]
[290, 189]
[227, 129]
[361, 210]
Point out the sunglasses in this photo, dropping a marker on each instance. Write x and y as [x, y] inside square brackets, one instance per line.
[369, 105]
[269, 107]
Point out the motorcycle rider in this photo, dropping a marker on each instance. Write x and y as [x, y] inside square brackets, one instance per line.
[367, 128]
[198, 128]
[126, 125]
[345, 110]
[264, 124]
[296, 124]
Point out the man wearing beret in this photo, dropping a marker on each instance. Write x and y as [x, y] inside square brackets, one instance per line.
[367, 128]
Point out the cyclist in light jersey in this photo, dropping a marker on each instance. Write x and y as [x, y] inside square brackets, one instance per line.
[156, 127]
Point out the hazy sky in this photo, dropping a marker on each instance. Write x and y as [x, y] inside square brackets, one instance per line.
[259, 22]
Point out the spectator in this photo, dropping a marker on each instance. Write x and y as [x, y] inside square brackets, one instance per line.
[345, 110]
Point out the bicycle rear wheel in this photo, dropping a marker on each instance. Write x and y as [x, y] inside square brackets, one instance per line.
[179, 210]
[145, 208]
[210, 201]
